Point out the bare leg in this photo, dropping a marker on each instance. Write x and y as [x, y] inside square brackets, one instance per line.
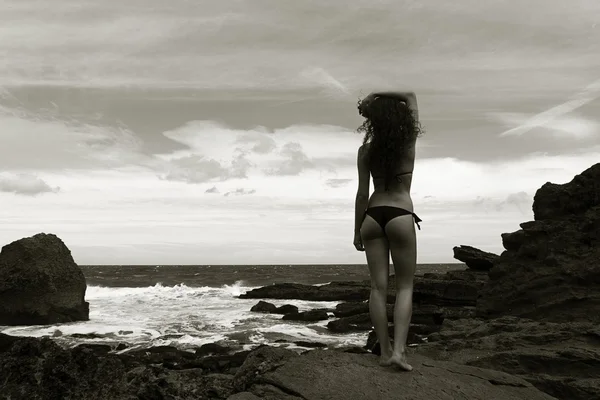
[403, 246]
[378, 258]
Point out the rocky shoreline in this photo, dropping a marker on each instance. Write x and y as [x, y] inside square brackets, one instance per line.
[520, 325]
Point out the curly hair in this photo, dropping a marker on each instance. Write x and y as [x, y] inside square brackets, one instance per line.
[388, 126]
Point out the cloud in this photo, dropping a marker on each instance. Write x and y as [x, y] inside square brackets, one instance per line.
[217, 152]
[25, 184]
[52, 141]
[555, 119]
[194, 169]
[521, 200]
[212, 190]
[295, 161]
[559, 125]
[240, 192]
[336, 183]
[262, 142]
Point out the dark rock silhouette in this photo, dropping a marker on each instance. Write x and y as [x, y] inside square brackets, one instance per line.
[551, 267]
[474, 258]
[40, 283]
[539, 311]
[266, 307]
[308, 316]
[263, 306]
[553, 201]
[286, 309]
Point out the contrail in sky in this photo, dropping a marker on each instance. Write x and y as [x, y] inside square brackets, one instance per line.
[589, 94]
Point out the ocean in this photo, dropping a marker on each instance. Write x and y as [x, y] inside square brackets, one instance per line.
[190, 305]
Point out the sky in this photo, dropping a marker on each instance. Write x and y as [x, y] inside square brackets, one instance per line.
[202, 132]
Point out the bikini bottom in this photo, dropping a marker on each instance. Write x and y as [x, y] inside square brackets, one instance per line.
[383, 214]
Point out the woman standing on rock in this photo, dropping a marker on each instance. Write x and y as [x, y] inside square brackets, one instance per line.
[384, 222]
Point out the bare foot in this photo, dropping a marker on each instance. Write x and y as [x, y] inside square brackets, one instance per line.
[399, 360]
[386, 353]
[384, 360]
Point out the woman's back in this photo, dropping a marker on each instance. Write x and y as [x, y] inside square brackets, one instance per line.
[391, 129]
[397, 192]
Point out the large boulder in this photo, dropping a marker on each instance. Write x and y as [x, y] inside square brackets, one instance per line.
[551, 267]
[40, 283]
[476, 259]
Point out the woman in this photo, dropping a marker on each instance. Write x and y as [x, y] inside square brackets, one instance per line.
[384, 222]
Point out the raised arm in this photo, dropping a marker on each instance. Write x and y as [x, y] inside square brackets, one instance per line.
[410, 98]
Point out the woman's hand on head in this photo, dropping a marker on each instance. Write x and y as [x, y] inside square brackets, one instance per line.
[365, 103]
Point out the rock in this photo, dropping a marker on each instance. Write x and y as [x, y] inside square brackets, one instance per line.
[551, 268]
[263, 306]
[458, 312]
[92, 335]
[6, 342]
[415, 336]
[286, 309]
[446, 292]
[308, 316]
[33, 368]
[121, 346]
[243, 396]
[325, 374]
[212, 348]
[354, 323]
[260, 361]
[561, 359]
[215, 386]
[438, 289]
[348, 291]
[352, 349]
[162, 354]
[99, 349]
[513, 241]
[40, 284]
[474, 258]
[349, 308]
[304, 343]
[40, 369]
[422, 315]
[217, 363]
[460, 275]
[554, 201]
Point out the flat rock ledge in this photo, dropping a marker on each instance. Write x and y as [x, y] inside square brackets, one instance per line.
[270, 373]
